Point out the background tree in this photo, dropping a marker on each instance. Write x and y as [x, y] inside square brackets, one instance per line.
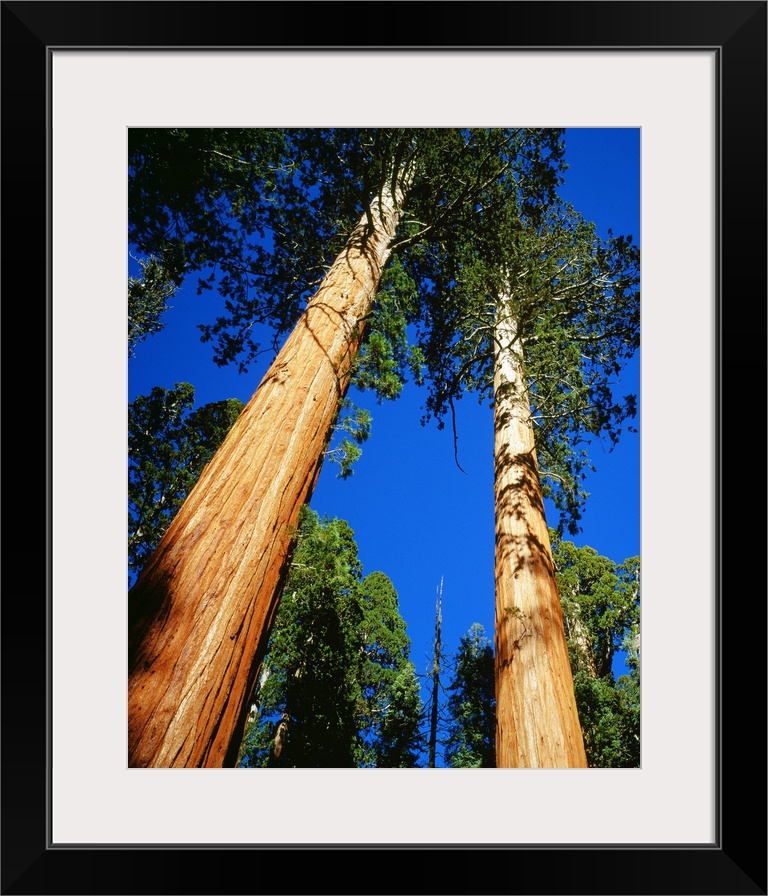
[148, 297]
[337, 687]
[537, 314]
[337, 201]
[168, 446]
[601, 608]
[392, 709]
[471, 732]
[195, 198]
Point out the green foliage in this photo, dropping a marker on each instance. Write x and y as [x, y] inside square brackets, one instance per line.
[355, 422]
[337, 670]
[382, 365]
[471, 740]
[392, 706]
[193, 193]
[259, 214]
[572, 299]
[147, 300]
[601, 611]
[168, 446]
[386, 358]
[609, 714]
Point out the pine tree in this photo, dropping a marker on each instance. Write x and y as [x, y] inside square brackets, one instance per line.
[392, 709]
[471, 734]
[337, 688]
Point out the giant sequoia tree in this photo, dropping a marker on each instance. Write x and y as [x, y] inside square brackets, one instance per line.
[537, 314]
[295, 229]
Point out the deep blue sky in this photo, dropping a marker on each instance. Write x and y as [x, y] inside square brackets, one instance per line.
[415, 515]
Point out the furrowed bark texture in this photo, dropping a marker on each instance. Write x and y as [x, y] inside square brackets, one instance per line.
[537, 720]
[201, 611]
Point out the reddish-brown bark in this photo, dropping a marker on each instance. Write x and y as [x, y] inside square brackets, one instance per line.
[201, 611]
[537, 720]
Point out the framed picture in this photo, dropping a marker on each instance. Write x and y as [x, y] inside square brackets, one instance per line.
[692, 77]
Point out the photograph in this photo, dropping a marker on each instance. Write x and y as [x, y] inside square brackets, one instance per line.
[340, 270]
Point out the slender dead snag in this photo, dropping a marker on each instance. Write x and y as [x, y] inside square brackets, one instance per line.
[435, 676]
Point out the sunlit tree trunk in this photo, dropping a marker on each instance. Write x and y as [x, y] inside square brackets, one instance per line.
[201, 611]
[537, 719]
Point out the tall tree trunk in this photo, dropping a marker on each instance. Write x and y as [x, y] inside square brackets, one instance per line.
[202, 609]
[537, 719]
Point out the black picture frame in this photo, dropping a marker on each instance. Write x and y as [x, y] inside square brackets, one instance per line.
[736, 863]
